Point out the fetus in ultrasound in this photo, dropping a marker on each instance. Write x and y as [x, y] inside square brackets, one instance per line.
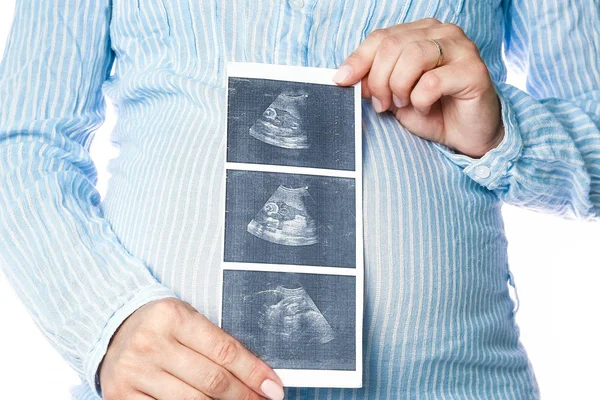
[291, 321]
[284, 219]
[283, 123]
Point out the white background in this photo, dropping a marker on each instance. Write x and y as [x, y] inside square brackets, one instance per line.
[556, 264]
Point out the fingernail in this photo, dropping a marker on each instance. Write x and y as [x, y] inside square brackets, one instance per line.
[377, 104]
[398, 102]
[272, 390]
[342, 74]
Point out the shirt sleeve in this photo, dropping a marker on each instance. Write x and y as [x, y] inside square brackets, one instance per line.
[549, 159]
[58, 252]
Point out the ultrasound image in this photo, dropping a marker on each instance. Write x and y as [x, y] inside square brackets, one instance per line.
[293, 321]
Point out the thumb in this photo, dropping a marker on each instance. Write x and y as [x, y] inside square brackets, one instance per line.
[429, 126]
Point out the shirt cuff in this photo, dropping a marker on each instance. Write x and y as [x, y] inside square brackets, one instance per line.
[150, 293]
[492, 169]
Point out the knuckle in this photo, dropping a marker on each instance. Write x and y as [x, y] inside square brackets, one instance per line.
[390, 42]
[142, 342]
[431, 21]
[379, 34]
[471, 46]
[166, 306]
[417, 100]
[430, 81]
[171, 311]
[216, 382]
[226, 352]
[453, 28]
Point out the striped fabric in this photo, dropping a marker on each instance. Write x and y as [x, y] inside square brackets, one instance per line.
[439, 320]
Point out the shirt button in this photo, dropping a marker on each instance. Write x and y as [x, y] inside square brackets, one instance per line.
[296, 4]
[482, 171]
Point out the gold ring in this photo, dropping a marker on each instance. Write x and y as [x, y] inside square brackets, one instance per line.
[440, 52]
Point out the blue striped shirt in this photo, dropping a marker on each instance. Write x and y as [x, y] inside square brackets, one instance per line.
[439, 321]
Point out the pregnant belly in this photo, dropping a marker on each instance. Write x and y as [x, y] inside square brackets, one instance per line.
[435, 252]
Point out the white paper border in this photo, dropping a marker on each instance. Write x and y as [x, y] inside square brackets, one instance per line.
[302, 377]
[286, 169]
[293, 269]
[320, 378]
[276, 72]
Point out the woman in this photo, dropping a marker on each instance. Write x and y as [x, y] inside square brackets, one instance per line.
[445, 142]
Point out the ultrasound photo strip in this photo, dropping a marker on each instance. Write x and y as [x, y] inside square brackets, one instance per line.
[293, 274]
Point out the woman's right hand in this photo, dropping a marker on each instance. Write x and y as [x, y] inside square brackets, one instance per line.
[167, 350]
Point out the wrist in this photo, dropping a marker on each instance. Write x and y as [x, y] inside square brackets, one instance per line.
[497, 138]
[498, 135]
[479, 151]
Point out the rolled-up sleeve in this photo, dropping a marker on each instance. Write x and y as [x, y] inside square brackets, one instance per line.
[549, 158]
[58, 252]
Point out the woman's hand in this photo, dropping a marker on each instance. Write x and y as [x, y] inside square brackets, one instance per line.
[167, 350]
[454, 104]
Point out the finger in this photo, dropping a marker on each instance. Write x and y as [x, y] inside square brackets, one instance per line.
[465, 80]
[364, 85]
[405, 56]
[430, 127]
[379, 76]
[201, 373]
[417, 58]
[163, 386]
[366, 91]
[359, 62]
[204, 337]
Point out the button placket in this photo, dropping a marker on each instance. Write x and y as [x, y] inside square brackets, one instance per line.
[302, 13]
[296, 4]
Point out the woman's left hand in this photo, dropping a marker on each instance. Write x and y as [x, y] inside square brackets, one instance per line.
[453, 103]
